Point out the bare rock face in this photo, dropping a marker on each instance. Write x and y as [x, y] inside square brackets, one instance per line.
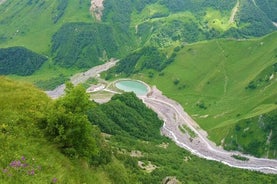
[2, 1]
[96, 8]
[170, 180]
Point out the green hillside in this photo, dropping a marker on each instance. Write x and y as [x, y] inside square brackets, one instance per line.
[82, 45]
[73, 39]
[228, 85]
[222, 83]
[46, 141]
[32, 23]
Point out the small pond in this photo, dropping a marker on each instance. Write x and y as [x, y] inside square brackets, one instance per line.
[131, 85]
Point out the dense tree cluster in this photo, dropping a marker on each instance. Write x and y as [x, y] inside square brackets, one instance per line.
[19, 61]
[82, 45]
[253, 21]
[59, 12]
[197, 6]
[66, 124]
[269, 7]
[146, 58]
[127, 115]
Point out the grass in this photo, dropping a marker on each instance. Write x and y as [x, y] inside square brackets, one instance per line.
[48, 76]
[33, 23]
[216, 74]
[238, 157]
[22, 107]
[33, 28]
[147, 13]
[186, 129]
[215, 19]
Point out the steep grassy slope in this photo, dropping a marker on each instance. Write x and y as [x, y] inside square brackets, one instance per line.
[222, 82]
[31, 23]
[256, 135]
[27, 155]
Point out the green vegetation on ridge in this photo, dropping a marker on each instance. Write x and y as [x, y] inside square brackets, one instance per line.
[214, 82]
[20, 61]
[127, 115]
[263, 126]
[32, 153]
[82, 45]
[50, 28]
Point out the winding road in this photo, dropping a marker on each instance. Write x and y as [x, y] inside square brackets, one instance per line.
[82, 77]
[174, 116]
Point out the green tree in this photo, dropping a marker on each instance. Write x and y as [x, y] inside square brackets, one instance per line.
[67, 124]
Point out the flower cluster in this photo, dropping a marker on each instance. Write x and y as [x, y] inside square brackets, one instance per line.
[54, 180]
[23, 167]
[20, 166]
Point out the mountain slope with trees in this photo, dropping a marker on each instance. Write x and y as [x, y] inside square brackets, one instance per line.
[124, 26]
[47, 141]
[224, 84]
[19, 61]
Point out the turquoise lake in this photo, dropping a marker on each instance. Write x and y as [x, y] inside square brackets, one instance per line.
[132, 86]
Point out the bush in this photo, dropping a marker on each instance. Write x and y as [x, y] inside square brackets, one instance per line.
[176, 81]
[67, 125]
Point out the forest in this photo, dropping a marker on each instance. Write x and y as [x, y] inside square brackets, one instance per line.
[83, 45]
[19, 61]
[147, 58]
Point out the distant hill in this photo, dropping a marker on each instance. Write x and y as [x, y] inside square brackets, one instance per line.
[42, 26]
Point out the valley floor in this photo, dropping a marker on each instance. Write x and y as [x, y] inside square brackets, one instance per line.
[175, 118]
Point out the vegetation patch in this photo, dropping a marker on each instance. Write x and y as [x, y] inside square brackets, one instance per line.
[215, 75]
[148, 58]
[59, 12]
[126, 114]
[83, 45]
[186, 129]
[238, 157]
[19, 61]
[51, 83]
[29, 119]
[256, 135]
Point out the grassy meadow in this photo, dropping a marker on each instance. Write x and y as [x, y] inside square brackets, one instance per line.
[212, 81]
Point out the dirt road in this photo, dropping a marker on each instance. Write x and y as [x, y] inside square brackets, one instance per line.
[82, 77]
[234, 12]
